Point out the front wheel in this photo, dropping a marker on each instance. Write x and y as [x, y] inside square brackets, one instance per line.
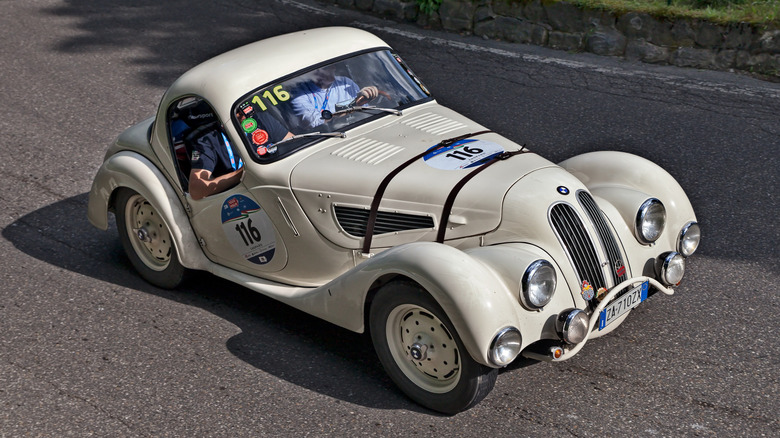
[147, 240]
[421, 352]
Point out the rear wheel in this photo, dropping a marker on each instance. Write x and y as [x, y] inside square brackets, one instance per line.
[147, 240]
[421, 352]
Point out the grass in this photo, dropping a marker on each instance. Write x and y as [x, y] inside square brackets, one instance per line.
[766, 12]
[720, 11]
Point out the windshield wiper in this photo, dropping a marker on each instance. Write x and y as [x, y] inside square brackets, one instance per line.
[312, 134]
[327, 115]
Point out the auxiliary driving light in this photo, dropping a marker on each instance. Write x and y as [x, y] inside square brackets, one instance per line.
[671, 268]
[505, 346]
[572, 326]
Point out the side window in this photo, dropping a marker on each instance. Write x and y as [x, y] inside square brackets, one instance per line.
[187, 117]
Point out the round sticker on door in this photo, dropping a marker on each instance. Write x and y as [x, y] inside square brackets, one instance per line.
[248, 229]
[462, 154]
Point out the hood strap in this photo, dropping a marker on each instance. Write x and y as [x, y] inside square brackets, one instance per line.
[380, 191]
[445, 214]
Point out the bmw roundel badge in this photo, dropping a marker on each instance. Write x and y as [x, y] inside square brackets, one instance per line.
[563, 190]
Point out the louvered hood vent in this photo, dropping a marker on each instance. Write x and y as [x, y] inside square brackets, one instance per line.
[354, 220]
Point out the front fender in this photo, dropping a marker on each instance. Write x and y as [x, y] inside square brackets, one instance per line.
[625, 181]
[476, 298]
[134, 171]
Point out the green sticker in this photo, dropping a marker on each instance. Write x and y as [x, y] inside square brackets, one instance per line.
[249, 125]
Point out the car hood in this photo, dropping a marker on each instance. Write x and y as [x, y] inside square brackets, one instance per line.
[336, 184]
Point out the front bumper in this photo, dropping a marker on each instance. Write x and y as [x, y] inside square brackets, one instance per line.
[564, 352]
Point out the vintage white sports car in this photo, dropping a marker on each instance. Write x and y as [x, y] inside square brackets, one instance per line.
[360, 200]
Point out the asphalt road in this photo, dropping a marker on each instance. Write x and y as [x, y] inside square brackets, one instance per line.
[88, 349]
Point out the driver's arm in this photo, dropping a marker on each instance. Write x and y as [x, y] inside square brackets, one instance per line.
[202, 184]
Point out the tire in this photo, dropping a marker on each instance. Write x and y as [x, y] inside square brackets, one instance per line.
[147, 240]
[405, 321]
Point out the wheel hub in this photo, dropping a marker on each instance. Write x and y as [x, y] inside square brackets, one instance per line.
[143, 235]
[419, 351]
[152, 242]
[428, 346]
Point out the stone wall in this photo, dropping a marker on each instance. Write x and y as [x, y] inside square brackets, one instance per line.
[635, 36]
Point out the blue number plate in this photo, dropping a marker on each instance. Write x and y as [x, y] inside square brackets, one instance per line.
[623, 304]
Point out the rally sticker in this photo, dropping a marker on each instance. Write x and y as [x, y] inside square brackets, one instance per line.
[249, 125]
[462, 154]
[259, 136]
[248, 229]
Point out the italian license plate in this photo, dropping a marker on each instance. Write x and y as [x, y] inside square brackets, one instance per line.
[623, 304]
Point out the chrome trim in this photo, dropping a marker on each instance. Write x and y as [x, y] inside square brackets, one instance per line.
[576, 241]
[608, 242]
[594, 317]
[287, 217]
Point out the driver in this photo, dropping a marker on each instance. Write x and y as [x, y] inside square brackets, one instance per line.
[216, 166]
[323, 91]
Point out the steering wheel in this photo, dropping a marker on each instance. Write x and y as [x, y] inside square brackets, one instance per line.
[362, 100]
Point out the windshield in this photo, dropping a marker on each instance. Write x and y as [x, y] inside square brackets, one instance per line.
[286, 116]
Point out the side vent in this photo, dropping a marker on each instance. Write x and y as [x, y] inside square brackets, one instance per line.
[354, 220]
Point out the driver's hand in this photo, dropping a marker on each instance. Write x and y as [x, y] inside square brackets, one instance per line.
[369, 93]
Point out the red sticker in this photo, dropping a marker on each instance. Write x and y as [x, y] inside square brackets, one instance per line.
[259, 136]
[262, 150]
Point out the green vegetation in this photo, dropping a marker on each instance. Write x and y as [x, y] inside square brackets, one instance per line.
[428, 7]
[720, 11]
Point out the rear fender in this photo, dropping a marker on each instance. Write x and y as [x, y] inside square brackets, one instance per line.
[134, 171]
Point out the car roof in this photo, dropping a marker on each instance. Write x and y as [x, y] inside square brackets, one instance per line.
[225, 78]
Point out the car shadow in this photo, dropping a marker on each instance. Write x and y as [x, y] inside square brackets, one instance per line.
[274, 337]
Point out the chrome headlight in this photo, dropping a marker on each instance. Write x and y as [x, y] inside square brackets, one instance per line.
[689, 239]
[505, 346]
[650, 221]
[539, 283]
[572, 326]
[671, 268]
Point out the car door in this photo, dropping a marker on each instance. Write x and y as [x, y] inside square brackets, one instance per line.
[232, 227]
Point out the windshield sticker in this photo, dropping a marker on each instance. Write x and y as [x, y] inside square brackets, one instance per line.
[462, 154]
[246, 108]
[249, 125]
[248, 229]
[262, 150]
[259, 137]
